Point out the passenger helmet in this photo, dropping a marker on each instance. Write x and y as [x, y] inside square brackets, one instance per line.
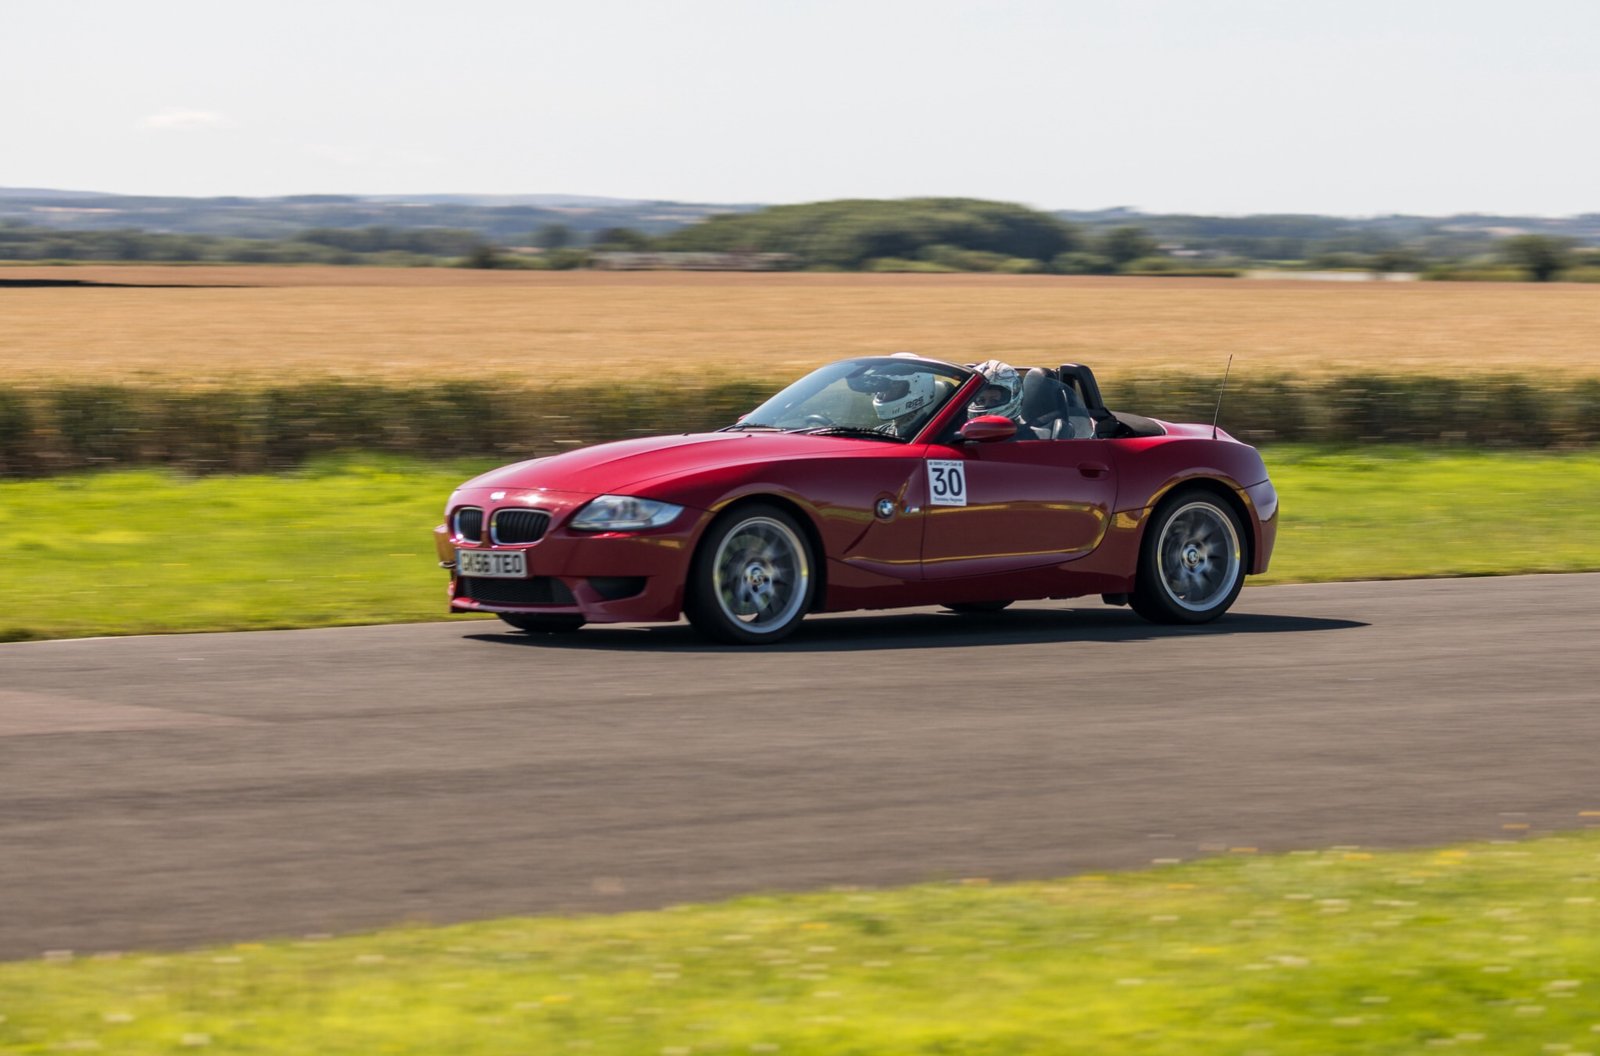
[1001, 393]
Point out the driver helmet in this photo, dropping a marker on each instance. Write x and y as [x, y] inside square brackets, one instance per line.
[1001, 393]
[901, 396]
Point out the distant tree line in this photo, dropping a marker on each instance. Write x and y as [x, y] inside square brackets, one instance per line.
[314, 246]
[910, 235]
[402, 247]
[497, 220]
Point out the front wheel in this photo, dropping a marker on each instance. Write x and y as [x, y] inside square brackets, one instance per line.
[1191, 564]
[752, 578]
[554, 623]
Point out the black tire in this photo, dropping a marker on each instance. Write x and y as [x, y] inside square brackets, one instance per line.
[976, 608]
[534, 623]
[1191, 563]
[753, 577]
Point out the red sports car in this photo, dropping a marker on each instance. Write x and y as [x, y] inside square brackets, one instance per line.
[872, 483]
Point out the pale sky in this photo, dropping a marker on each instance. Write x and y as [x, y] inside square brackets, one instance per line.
[1354, 107]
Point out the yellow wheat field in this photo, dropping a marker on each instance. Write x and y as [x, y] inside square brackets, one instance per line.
[224, 324]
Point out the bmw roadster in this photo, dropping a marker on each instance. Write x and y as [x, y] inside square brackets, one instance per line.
[871, 483]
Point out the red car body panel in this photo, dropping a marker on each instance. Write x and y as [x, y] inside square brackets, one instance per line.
[1043, 518]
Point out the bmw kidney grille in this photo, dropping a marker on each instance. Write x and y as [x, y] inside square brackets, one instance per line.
[469, 524]
[518, 526]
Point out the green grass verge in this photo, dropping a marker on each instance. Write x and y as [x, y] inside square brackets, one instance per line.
[1488, 948]
[1378, 512]
[341, 541]
[346, 540]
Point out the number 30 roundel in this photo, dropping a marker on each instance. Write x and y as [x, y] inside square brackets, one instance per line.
[947, 482]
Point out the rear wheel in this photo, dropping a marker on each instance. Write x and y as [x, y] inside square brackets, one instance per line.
[1191, 564]
[974, 608]
[553, 623]
[752, 579]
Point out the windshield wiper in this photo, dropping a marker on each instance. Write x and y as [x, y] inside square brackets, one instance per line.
[851, 430]
[738, 427]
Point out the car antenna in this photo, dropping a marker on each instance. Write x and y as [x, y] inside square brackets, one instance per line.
[1217, 415]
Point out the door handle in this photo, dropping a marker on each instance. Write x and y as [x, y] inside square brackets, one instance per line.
[1094, 469]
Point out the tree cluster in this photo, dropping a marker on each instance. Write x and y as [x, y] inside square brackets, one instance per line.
[853, 234]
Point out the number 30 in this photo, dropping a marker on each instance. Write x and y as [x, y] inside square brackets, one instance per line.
[947, 483]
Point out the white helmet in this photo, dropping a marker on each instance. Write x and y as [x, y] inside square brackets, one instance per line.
[1001, 393]
[901, 395]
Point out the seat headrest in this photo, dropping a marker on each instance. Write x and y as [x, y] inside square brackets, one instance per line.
[1041, 396]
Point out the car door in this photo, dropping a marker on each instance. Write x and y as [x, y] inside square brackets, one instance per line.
[1010, 505]
[865, 505]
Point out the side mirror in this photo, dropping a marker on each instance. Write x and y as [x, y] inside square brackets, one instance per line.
[987, 428]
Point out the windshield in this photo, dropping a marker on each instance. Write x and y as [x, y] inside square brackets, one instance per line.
[891, 397]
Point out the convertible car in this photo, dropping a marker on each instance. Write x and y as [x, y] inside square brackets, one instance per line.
[871, 483]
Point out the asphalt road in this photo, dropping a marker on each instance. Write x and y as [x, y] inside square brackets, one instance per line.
[169, 791]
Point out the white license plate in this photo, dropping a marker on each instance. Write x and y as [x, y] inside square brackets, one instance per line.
[492, 564]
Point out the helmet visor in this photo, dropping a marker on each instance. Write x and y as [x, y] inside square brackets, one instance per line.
[890, 389]
[991, 396]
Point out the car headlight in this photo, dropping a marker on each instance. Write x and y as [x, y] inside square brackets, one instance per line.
[623, 513]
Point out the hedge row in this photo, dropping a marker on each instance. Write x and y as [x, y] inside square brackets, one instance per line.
[1483, 410]
[56, 429]
[69, 427]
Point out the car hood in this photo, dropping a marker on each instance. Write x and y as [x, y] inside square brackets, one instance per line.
[626, 464]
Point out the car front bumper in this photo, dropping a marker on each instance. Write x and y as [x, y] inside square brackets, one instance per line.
[605, 577]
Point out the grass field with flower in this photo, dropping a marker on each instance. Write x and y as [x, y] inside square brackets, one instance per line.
[1486, 948]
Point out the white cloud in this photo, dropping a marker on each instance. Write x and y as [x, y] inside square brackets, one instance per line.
[176, 120]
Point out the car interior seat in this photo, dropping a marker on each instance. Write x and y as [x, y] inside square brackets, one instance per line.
[1044, 404]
